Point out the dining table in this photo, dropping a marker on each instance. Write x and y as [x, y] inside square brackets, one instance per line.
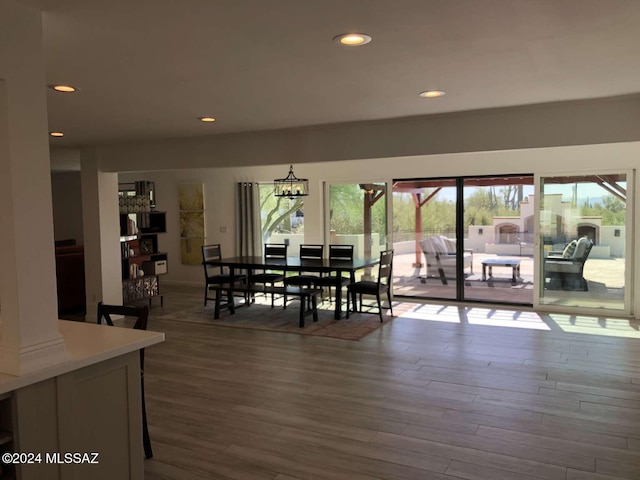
[297, 264]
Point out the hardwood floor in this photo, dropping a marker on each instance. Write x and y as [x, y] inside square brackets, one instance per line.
[416, 399]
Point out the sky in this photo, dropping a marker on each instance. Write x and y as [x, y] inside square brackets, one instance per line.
[585, 190]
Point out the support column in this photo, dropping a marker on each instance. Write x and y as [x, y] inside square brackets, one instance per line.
[101, 231]
[29, 337]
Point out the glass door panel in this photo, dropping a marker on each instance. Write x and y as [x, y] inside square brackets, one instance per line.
[583, 221]
[358, 217]
[281, 219]
[424, 238]
[498, 239]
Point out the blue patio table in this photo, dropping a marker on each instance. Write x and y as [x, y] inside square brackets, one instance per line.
[501, 262]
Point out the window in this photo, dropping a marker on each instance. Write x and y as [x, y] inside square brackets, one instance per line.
[281, 218]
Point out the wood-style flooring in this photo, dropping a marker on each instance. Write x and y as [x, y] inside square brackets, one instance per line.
[417, 399]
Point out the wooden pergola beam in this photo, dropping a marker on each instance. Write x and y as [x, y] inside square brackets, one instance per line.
[372, 193]
[419, 203]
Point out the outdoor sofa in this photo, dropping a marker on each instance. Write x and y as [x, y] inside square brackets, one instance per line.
[564, 270]
[440, 257]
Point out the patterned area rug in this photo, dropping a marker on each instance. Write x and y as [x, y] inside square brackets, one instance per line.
[260, 316]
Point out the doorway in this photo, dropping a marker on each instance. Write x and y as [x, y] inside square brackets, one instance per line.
[357, 215]
[584, 240]
[465, 238]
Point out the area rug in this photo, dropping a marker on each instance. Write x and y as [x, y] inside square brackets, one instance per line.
[261, 316]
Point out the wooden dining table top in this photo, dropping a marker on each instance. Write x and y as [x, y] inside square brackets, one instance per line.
[296, 263]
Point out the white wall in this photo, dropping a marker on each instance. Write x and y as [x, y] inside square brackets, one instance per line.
[101, 231]
[477, 240]
[67, 205]
[585, 122]
[616, 244]
[65, 160]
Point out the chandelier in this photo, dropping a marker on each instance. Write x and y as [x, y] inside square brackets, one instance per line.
[291, 187]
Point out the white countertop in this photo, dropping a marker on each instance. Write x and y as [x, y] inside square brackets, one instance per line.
[87, 344]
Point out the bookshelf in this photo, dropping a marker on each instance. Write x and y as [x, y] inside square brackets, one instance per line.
[142, 262]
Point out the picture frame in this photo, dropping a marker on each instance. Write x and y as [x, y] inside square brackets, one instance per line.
[147, 246]
[191, 251]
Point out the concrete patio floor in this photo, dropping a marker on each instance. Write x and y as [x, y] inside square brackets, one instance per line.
[605, 278]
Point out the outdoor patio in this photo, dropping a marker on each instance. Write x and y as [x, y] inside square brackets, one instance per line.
[413, 281]
[605, 279]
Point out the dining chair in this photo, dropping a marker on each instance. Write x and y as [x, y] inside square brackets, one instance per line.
[307, 252]
[268, 276]
[367, 287]
[215, 274]
[337, 253]
[141, 315]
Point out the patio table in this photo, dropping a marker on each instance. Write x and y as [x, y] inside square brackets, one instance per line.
[501, 262]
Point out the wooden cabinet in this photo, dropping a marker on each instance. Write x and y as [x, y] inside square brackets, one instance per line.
[93, 409]
[91, 402]
[7, 428]
[142, 262]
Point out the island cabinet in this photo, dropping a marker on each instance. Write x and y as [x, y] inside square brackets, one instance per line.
[7, 427]
[142, 262]
[88, 405]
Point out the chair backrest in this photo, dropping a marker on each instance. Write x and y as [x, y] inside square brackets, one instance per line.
[311, 252]
[577, 250]
[569, 249]
[275, 250]
[340, 252]
[385, 267]
[434, 246]
[582, 250]
[211, 252]
[141, 314]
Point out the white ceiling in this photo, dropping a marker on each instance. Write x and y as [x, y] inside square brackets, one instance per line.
[148, 68]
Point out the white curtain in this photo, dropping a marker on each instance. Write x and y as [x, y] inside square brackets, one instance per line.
[248, 233]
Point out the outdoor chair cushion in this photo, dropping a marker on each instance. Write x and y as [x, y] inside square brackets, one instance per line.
[566, 273]
[440, 256]
[439, 245]
[570, 249]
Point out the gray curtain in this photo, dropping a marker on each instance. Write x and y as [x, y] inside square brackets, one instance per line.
[248, 234]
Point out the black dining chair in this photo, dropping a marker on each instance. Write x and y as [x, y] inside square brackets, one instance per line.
[215, 274]
[367, 287]
[337, 253]
[141, 315]
[307, 252]
[269, 276]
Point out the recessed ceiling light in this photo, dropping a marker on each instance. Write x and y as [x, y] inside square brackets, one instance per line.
[432, 93]
[63, 88]
[352, 39]
[56, 134]
[207, 119]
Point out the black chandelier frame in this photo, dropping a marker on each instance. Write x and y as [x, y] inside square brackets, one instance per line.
[291, 186]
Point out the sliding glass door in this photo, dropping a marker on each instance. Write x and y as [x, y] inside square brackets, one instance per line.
[583, 241]
[424, 238]
[562, 241]
[358, 216]
[498, 239]
[465, 238]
